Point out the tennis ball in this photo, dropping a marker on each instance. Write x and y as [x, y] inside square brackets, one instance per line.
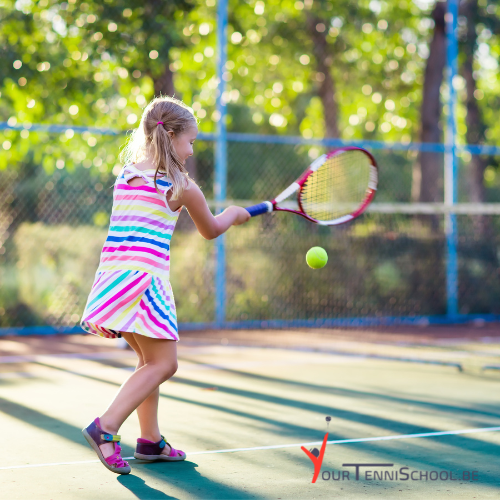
[316, 257]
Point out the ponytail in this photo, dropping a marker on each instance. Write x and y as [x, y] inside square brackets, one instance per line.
[167, 161]
[152, 140]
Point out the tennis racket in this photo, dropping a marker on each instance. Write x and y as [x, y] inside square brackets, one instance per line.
[336, 188]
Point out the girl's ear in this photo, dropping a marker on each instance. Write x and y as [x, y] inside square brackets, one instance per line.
[170, 133]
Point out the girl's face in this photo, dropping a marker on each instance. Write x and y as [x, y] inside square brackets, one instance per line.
[183, 143]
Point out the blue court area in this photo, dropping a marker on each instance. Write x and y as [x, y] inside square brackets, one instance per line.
[243, 403]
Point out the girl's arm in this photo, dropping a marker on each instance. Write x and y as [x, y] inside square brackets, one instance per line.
[209, 226]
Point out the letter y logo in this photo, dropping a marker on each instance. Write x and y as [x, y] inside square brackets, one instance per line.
[316, 457]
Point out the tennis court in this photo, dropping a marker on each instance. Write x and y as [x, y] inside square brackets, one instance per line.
[406, 412]
[243, 402]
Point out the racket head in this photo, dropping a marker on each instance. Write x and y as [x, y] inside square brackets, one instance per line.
[339, 187]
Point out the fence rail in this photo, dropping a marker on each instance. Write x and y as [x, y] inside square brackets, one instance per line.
[431, 147]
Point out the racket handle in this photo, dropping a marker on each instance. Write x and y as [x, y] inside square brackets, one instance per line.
[261, 208]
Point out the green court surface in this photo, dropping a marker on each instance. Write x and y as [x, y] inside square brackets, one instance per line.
[242, 404]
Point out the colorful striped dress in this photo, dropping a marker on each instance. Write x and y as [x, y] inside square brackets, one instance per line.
[131, 290]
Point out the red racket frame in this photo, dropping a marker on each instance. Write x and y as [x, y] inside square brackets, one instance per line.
[370, 192]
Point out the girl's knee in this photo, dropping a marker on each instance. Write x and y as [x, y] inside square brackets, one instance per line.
[161, 355]
[170, 370]
[165, 370]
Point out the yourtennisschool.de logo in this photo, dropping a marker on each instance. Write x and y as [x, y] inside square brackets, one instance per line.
[380, 471]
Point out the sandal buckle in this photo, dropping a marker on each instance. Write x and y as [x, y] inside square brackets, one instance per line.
[110, 437]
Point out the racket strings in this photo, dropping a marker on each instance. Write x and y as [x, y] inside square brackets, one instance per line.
[338, 187]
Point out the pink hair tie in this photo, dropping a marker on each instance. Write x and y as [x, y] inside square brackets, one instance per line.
[159, 123]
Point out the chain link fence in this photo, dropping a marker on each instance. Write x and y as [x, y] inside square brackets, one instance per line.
[94, 63]
[388, 263]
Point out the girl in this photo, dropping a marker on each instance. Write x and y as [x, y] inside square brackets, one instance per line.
[131, 296]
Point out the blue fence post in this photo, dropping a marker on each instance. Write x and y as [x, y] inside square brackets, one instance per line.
[450, 168]
[221, 162]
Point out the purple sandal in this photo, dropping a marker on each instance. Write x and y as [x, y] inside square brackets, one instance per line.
[95, 437]
[148, 450]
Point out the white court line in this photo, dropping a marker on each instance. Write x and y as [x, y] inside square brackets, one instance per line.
[280, 446]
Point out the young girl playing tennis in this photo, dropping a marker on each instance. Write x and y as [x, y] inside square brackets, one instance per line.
[131, 296]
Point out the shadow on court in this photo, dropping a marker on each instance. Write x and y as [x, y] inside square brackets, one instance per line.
[370, 395]
[265, 405]
[183, 475]
[410, 453]
[141, 489]
[42, 421]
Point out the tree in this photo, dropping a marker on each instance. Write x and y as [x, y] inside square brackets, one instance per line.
[476, 127]
[139, 34]
[316, 28]
[83, 63]
[427, 173]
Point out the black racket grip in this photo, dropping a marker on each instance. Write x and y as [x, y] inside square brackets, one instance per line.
[260, 208]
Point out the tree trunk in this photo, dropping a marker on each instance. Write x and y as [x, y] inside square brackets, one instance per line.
[326, 89]
[474, 135]
[476, 128]
[475, 125]
[427, 172]
[164, 84]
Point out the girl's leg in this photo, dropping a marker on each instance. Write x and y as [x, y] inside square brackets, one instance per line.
[159, 363]
[147, 411]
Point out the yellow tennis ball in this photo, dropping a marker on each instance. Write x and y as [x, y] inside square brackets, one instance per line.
[316, 257]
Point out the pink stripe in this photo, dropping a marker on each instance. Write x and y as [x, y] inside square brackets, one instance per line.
[153, 319]
[113, 258]
[148, 328]
[120, 293]
[125, 248]
[149, 199]
[144, 187]
[124, 302]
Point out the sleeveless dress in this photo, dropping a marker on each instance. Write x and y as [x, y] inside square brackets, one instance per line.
[131, 290]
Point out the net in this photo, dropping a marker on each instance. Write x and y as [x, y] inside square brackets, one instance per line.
[338, 188]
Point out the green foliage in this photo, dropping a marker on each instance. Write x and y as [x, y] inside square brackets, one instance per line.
[55, 267]
[95, 64]
[51, 278]
[192, 277]
[80, 63]
[378, 266]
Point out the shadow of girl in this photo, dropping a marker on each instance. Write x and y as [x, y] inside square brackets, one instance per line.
[182, 475]
[141, 490]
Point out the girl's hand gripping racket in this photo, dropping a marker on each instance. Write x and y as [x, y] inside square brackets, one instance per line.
[336, 188]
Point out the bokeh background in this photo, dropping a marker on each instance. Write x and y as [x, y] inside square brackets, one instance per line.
[300, 77]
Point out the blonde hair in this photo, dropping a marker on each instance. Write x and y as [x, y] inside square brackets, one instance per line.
[151, 140]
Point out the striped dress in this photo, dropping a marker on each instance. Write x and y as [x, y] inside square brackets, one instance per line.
[131, 290]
